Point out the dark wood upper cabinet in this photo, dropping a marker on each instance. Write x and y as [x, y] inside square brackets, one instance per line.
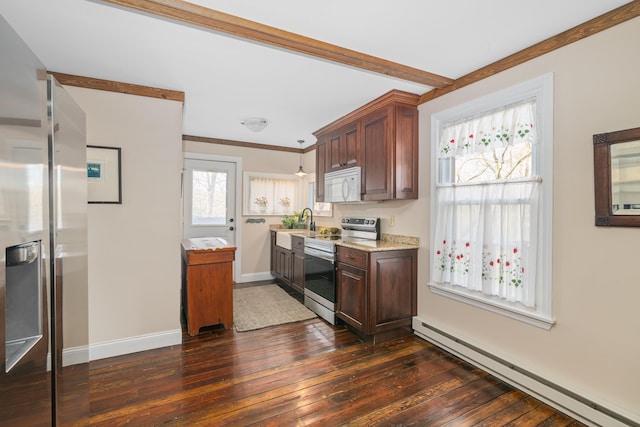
[406, 152]
[321, 168]
[616, 158]
[382, 138]
[378, 165]
[344, 147]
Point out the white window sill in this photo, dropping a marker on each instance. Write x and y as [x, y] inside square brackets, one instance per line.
[487, 303]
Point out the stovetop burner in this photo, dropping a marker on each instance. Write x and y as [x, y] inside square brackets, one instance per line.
[327, 237]
[355, 230]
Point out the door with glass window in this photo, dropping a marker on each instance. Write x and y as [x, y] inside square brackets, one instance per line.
[209, 199]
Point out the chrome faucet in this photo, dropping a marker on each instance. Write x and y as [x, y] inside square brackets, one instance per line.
[312, 225]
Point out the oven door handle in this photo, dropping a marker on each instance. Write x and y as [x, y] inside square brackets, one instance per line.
[319, 254]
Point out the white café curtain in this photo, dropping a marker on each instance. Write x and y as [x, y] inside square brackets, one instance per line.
[278, 193]
[485, 232]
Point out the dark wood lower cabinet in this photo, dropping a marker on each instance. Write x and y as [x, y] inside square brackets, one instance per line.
[352, 291]
[297, 271]
[287, 266]
[377, 292]
[283, 265]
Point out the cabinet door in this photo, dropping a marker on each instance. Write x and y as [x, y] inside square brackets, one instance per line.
[393, 289]
[406, 152]
[321, 168]
[351, 152]
[344, 147]
[297, 263]
[351, 290]
[286, 270]
[336, 148]
[297, 274]
[279, 262]
[273, 253]
[378, 159]
[283, 264]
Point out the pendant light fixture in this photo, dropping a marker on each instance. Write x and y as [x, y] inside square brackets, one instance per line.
[301, 171]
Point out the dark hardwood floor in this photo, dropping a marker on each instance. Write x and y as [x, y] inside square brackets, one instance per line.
[305, 373]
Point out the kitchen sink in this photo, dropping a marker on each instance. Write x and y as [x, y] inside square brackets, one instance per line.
[283, 238]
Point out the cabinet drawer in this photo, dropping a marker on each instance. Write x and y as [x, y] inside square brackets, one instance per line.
[209, 257]
[352, 257]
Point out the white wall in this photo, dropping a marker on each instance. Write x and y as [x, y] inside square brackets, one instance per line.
[134, 248]
[594, 348]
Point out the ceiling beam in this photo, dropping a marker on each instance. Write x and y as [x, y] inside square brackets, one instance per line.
[119, 87]
[243, 28]
[232, 143]
[610, 19]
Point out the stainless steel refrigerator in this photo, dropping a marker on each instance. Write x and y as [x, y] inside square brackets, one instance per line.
[44, 350]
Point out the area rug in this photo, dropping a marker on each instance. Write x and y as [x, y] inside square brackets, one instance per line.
[261, 306]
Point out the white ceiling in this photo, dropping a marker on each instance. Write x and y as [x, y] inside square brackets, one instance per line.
[226, 80]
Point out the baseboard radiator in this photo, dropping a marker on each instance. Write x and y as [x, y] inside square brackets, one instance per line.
[561, 398]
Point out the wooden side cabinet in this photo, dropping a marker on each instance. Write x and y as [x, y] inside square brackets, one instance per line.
[207, 284]
[377, 291]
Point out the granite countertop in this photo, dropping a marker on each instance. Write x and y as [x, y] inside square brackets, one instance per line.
[387, 242]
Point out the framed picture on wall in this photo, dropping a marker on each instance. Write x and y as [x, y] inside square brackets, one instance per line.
[104, 174]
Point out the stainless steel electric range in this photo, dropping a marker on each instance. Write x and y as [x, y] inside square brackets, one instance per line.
[320, 263]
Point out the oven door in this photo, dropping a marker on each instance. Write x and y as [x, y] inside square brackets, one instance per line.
[320, 277]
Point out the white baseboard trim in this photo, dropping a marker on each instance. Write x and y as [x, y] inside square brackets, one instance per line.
[254, 277]
[134, 344]
[75, 355]
[71, 356]
[576, 405]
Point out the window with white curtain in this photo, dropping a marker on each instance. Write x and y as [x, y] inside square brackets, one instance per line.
[491, 202]
[270, 194]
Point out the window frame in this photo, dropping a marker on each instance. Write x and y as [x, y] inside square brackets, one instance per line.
[540, 88]
[320, 209]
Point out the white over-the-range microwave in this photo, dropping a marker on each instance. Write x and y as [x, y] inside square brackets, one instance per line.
[343, 185]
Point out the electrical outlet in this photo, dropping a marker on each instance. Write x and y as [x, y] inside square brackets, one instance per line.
[392, 221]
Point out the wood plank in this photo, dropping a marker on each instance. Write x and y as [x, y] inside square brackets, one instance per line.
[119, 87]
[610, 19]
[232, 143]
[243, 28]
[327, 397]
[301, 373]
